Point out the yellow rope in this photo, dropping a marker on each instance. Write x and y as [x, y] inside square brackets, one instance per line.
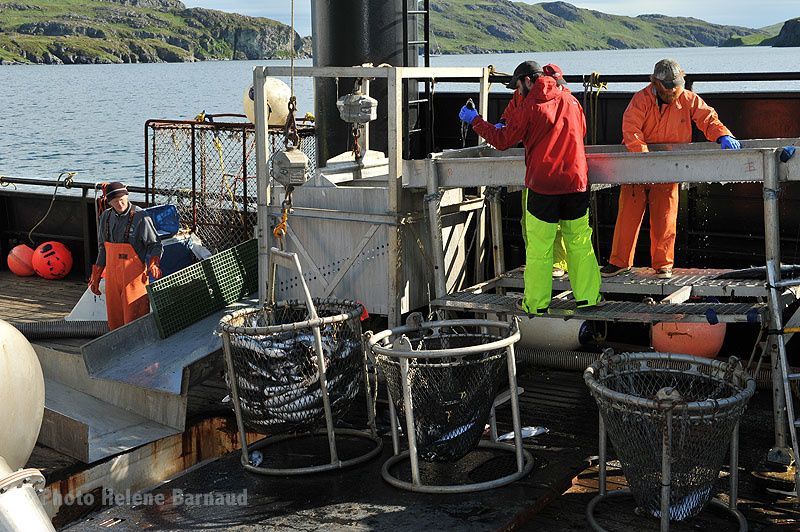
[281, 228]
[595, 86]
[218, 145]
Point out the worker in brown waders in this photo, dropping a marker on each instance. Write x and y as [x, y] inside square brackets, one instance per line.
[127, 240]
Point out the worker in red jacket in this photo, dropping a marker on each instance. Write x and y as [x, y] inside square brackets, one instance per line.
[559, 249]
[550, 124]
[661, 113]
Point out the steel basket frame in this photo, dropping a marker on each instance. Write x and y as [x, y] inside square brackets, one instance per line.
[379, 344]
[291, 261]
[694, 408]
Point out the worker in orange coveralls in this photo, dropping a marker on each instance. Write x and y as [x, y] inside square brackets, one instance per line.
[661, 113]
[559, 249]
[127, 240]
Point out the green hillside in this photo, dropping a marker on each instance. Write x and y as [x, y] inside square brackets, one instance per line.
[133, 31]
[765, 37]
[473, 26]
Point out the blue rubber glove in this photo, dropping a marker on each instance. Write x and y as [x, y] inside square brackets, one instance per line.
[467, 115]
[499, 125]
[729, 143]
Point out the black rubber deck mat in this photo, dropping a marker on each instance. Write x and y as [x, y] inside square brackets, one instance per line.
[359, 498]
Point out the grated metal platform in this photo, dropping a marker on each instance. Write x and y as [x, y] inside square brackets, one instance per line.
[703, 282]
[622, 311]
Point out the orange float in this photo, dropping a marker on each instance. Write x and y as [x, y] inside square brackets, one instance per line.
[19, 260]
[52, 260]
[698, 339]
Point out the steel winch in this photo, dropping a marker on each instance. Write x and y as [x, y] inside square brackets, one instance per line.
[357, 108]
[290, 166]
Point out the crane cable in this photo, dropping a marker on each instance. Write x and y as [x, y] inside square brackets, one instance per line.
[290, 134]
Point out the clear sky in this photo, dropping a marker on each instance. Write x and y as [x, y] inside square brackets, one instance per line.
[748, 13]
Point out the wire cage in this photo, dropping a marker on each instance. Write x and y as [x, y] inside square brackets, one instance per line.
[443, 378]
[294, 371]
[208, 170]
[671, 418]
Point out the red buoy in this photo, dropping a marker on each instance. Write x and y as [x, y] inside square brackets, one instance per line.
[698, 339]
[19, 260]
[52, 260]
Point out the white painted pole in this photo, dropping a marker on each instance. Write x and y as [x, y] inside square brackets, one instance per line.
[264, 190]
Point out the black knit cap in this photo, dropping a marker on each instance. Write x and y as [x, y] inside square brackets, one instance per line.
[527, 68]
[114, 189]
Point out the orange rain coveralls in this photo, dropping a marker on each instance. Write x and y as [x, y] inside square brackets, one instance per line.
[126, 285]
[644, 123]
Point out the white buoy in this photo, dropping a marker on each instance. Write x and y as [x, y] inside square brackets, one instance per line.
[552, 334]
[277, 94]
[21, 411]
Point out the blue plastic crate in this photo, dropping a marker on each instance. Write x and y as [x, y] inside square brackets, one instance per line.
[165, 218]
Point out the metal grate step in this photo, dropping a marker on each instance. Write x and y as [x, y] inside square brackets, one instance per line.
[611, 310]
[644, 281]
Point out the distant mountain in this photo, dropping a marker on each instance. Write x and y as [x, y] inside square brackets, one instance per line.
[789, 35]
[484, 26]
[134, 31]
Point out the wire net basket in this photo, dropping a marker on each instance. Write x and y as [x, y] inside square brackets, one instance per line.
[636, 395]
[451, 396]
[275, 363]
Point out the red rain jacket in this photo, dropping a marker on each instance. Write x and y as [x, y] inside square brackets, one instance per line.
[550, 124]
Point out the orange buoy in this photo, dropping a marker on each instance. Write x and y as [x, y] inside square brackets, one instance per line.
[698, 339]
[19, 260]
[52, 260]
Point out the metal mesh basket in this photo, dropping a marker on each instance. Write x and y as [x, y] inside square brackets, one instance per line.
[275, 363]
[451, 396]
[688, 404]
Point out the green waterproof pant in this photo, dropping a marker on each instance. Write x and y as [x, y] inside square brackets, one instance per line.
[559, 250]
[584, 273]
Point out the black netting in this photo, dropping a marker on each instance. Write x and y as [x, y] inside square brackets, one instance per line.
[700, 437]
[277, 373]
[451, 396]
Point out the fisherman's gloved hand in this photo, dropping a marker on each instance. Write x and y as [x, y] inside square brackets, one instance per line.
[94, 280]
[499, 125]
[467, 115]
[154, 269]
[729, 143]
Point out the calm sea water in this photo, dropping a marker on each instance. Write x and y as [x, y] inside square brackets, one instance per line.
[90, 118]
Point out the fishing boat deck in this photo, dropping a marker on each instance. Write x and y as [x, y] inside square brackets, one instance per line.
[552, 498]
[37, 299]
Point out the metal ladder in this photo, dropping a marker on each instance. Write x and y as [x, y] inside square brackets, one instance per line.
[411, 18]
[778, 331]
